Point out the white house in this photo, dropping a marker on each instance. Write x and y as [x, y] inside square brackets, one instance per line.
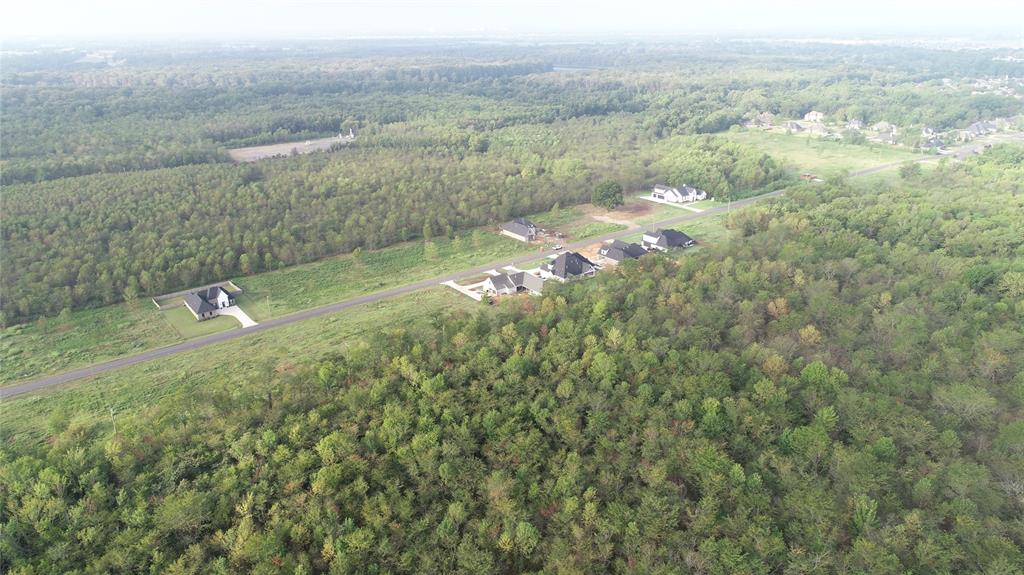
[678, 195]
[204, 303]
[520, 229]
[814, 116]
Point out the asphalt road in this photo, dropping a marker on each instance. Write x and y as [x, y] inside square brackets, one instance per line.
[100, 368]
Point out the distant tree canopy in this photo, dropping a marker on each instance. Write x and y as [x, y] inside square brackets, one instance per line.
[838, 391]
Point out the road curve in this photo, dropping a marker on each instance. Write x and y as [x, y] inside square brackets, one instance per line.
[104, 367]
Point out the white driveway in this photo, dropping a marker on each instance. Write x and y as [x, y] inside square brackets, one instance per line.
[237, 313]
[473, 290]
[673, 204]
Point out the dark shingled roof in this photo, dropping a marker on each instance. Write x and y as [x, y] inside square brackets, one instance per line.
[516, 281]
[200, 301]
[618, 250]
[503, 281]
[571, 264]
[671, 238]
[520, 227]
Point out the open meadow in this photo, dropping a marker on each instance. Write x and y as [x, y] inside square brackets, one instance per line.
[805, 153]
[231, 363]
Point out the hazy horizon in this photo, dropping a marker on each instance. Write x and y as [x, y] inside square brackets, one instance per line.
[330, 19]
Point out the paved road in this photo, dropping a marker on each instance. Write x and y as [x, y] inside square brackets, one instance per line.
[197, 343]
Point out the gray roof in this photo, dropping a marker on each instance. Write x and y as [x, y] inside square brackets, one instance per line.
[520, 227]
[197, 304]
[618, 250]
[670, 238]
[503, 281]
[200, 301]
[528, 281]
[517, 281]
[571, 264]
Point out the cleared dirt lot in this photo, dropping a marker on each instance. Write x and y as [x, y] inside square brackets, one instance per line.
[255, 153]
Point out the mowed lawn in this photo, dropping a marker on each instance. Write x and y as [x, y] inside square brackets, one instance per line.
[85, 337]
[55, 344]
[822, 157]
[302, 287]
[586, 230]
[187, 327]
[707, 230]
[230, 364]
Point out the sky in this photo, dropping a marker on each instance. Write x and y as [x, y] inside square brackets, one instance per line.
[292, 19]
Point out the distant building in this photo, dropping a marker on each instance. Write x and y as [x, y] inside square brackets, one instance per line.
[521, 229]
[765, 120]
[792, 126]
[204, 303]
[814, 116]
[883, 127]
[977, 129]
[508, 284]
[855, 124]
[665, 240]
[678, 195]
[567, 266]
[819, 130]
[934, 142]
[618, 251]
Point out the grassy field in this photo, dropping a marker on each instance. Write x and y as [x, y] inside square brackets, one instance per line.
[562, 217]
[706, 204]
[585, 230]
[231, 363]
[187, 327]
[823, 157]
[302, 287]
[707, 230]
[90, 336]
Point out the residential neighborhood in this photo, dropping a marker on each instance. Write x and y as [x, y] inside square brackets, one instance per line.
[880, 132]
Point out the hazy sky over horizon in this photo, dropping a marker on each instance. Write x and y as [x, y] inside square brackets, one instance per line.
[253, 19]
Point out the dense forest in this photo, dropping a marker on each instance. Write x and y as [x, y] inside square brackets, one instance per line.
[154, 110]
[838, 389]
[117, 182]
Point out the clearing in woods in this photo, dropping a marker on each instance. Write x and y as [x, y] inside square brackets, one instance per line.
[256, 153]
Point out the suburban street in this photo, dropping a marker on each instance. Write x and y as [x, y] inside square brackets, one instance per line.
[104, 367]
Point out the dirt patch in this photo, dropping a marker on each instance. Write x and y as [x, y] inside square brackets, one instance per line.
[590, 252]
[256, 153]
[613, 218]
[625, 215]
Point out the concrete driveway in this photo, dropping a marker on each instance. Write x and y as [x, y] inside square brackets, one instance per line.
[237, 313]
